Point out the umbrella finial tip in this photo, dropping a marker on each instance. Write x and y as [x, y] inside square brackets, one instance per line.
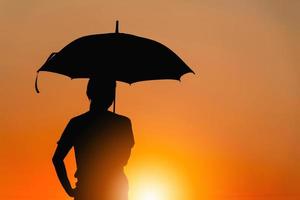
[117, 26]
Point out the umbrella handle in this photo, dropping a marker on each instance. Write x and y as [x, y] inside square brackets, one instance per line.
[114, 104]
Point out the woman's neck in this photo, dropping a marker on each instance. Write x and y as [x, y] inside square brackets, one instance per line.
[97, 108]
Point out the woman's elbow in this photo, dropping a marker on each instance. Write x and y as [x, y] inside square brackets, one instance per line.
[56, 159]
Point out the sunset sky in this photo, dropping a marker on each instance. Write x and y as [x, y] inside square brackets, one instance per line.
[229, 132]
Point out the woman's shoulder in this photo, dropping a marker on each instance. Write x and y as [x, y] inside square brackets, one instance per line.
[79, 118]
[88, 117]
[119, 117]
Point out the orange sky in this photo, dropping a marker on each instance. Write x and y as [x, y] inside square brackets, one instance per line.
[231, 131]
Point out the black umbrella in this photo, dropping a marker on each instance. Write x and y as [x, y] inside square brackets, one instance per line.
[119, 56]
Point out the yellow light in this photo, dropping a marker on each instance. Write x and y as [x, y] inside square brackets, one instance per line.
[151, 191]
[151, 194]
[154, 183]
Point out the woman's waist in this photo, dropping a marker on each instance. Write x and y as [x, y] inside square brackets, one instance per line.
[99, 173]
[101, 180]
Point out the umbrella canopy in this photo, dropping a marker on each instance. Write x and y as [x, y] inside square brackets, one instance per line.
[119, 56]
[116, 56]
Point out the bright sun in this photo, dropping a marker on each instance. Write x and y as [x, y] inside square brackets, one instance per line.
[154, 184]
[151, 192]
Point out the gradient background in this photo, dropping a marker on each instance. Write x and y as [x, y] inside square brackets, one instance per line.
[230, 132]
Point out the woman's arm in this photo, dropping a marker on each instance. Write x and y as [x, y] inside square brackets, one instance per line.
[58, 162]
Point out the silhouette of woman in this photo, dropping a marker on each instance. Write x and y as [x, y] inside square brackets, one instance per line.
[102, 142]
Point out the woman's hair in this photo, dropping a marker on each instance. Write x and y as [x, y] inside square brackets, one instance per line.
[101, 91]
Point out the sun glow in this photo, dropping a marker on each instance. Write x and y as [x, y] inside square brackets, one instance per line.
[149, 189]
[155, 183]
[151, 193]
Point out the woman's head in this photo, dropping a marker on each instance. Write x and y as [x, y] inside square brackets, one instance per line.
[101, 92]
